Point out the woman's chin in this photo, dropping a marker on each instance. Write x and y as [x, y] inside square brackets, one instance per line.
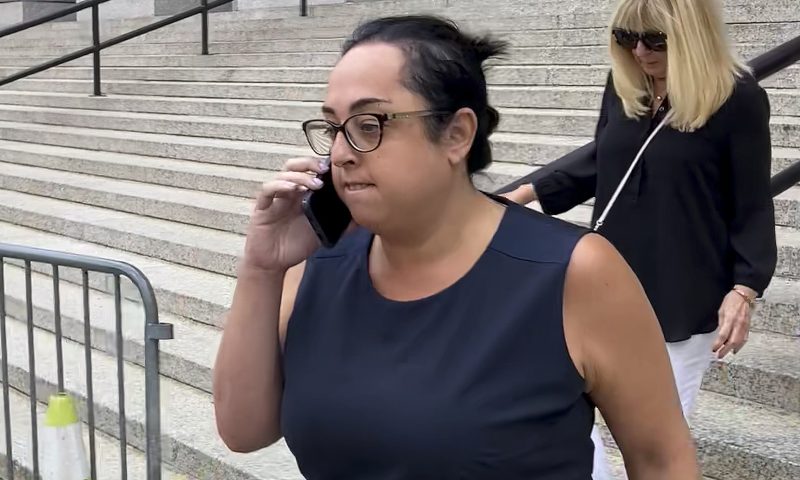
[653, 70]
[365, 217]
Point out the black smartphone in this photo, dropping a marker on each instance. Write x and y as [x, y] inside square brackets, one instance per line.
[326, 212]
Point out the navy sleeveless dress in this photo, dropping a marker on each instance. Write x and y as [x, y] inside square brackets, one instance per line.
[474, 382]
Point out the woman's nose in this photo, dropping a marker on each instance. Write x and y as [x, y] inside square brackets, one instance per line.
[341, 151]
[640, 50]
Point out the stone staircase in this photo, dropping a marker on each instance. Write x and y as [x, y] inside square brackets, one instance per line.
[160, 173]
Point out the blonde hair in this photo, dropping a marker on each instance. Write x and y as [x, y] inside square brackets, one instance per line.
[702, 69]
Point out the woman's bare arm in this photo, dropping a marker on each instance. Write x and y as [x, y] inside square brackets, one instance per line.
[616, 342]
[247, 375]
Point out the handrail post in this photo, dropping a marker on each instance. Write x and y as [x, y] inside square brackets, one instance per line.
[204, 25]
[303, 8]
[96, 45]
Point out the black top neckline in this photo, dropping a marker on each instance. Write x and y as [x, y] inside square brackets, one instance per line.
[370, 286]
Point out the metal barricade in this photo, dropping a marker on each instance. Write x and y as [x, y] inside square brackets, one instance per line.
[153, 333]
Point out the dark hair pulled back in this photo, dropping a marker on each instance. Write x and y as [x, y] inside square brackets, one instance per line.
[445, 66]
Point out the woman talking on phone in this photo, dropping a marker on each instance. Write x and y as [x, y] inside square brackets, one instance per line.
[695, 217]
[449, 334]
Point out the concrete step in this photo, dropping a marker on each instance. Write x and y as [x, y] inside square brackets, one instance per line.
[788, 240]
[741, 440]
[569, 6]
[519, 120]
[239, 38]
[313, 54]
[190, 442]
[295, 59]
[198, 247]
[765, 371]
[582, 13]
[228, 180]
[240, 90]
[779, 310]
[543, 15]
[187, 292]
[189, 47]
[293, 110]
[340, 14]
[501, 17]
[219, 212]
[232, 75]
[223, 152]
[561, 55]
[188, 358]
[550, 6]
[537, 155]
[783, 158]
[785, 129]
[109, 464]
[205, 177]
[518, 33]
[249, 130]
[209, 107]
[509, 147]
[272, 102]
[210, 210]
[298, 83]
[243, 31]
[787, 208]
[617, 465]
[534, 149]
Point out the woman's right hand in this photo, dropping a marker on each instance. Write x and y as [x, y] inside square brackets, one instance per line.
[524, 194]
[279, 235]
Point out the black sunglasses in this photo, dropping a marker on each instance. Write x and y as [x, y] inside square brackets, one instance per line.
[655, 41]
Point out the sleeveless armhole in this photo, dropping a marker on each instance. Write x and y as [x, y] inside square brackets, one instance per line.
[562, 301]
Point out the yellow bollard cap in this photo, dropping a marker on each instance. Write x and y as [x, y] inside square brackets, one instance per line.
[61, 411]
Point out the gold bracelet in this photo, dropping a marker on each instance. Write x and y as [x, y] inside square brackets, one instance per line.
[750, 301]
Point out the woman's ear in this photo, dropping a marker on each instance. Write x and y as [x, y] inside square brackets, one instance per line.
[459, 135]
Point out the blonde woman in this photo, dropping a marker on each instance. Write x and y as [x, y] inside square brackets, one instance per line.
[695, 219]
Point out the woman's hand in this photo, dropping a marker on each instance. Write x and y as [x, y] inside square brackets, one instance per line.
[524, 194]
[279, 236]
[734, 321]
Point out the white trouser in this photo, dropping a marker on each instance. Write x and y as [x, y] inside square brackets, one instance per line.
[690, 359]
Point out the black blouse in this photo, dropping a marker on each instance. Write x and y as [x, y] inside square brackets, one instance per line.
[696, 216]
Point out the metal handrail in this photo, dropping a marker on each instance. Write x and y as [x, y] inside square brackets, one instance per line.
[775, 60]
[98, 46]
[785, 179]
[763, 66]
